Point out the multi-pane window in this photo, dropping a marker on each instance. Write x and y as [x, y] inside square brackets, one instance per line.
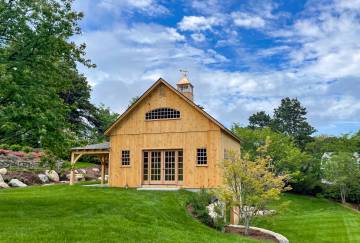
[169, 165]
[146, 165]
[125, 157]
[201, 156]
[162, 113]
[155, 165]
[180, 166]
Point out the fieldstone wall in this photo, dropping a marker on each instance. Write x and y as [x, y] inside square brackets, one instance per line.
[20, 160]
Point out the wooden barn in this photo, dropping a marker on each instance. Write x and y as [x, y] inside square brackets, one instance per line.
[164, 140]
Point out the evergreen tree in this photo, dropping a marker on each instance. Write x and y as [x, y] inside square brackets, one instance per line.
[290, 119]
[259, 120]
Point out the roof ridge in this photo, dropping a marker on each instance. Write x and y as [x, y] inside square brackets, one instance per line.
[161, 80]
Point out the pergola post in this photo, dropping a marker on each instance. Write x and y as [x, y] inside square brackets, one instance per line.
[72, 164]
[101, 150]
[102, 169]
[72, 170]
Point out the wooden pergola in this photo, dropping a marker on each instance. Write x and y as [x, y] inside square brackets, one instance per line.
[100, 150]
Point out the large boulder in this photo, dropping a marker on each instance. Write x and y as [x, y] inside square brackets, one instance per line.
[3, 185]
[79, 177]
[95, 169]
[82, 171]
[1, 179]
[43, 178]
[106, 177]
[53, 176]
[3, 171]
[16, 183]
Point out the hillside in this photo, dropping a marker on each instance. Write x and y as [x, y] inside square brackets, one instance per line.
[88, 214]
[309, 219]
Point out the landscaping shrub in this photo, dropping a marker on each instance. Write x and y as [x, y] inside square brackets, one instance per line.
[48, 160]
[198, 203]
[4, 146]
[15, 147]
[27, 149]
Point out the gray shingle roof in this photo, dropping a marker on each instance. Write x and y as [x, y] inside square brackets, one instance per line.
[99, 146]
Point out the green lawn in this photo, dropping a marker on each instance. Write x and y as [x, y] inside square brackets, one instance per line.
[80, 165]
[88, 214]
[308, 219]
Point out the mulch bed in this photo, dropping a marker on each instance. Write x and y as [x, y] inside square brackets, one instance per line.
[255, 234]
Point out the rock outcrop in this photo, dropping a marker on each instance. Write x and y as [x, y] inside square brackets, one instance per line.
[3, 171]
[43, 178]
[17, 183]
[53, 175]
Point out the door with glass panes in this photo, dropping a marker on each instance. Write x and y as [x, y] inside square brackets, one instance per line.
[163, 167]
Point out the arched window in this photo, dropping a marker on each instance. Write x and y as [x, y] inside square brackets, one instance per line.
[162, 113]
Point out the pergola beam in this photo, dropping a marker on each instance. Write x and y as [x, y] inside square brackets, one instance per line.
[76, 155]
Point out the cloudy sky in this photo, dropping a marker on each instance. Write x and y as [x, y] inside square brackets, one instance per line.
[242, 56]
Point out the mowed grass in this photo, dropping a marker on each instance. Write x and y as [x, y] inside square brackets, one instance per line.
[90, 214]
[309, 219]
[80, 165]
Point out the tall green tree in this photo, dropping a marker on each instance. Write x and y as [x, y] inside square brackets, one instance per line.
[259, 120]
[81, 115]
[103, 118]
[290, 119]
[286, 157]
[324, 144]
[37, 62]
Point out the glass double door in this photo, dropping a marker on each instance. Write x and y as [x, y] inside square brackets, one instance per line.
[162, 166]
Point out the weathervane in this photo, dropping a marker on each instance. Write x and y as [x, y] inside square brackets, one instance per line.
[184, 72]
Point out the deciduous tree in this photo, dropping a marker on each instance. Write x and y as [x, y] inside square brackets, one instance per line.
[342, 171]
[250, 184]
[37, 62]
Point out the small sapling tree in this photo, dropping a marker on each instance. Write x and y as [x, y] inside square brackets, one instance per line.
[249, 185]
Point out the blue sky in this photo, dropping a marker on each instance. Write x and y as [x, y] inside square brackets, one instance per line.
[242, 56]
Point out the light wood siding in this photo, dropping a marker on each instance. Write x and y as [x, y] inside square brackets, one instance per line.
[227, 143]
[193, 130]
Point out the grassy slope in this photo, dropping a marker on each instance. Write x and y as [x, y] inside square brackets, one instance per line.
[80, 164]
[309, 219]
[87, 214]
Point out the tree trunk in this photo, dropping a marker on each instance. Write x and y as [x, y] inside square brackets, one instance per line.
[343, 194]
[246, 223]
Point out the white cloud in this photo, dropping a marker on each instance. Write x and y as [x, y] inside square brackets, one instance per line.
[198, 37]
[198, 23]
[208, 7]
[349, 4]
[326, 44]
[149, 7]
[273, 51]
[321, 68]
[147, 33]
[247, 20]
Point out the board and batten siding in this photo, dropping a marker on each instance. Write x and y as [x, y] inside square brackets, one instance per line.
[193, 130]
